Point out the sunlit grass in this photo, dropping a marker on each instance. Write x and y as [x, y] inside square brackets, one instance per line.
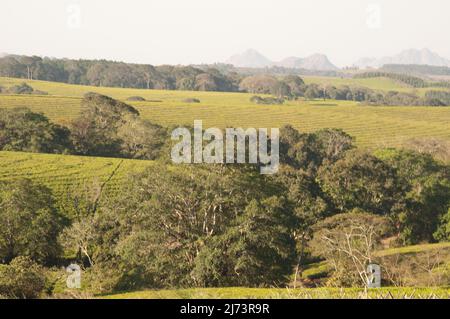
[372, 126]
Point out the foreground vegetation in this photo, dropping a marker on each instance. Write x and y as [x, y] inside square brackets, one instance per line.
[283, 293]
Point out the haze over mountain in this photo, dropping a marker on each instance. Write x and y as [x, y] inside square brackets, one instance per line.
[249, 59]
[412, 56]
[253, 59]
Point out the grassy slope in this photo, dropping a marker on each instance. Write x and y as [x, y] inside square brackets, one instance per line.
[65, 172]
[321, 269]
[372, 126]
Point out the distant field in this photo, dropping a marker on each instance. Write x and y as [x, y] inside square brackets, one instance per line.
[371, 126]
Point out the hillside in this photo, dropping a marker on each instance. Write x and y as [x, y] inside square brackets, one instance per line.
[63, 173]
[372, 126]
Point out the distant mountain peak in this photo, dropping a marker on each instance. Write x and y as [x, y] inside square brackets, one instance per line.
[253, 59]
[411, 56]
[249, 59]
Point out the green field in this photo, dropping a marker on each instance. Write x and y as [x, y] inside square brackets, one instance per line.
[66, 172]
[372, 126]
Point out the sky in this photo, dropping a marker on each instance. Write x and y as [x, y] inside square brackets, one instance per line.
[207, 31]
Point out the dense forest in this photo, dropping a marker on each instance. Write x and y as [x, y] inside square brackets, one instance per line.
[117, 74]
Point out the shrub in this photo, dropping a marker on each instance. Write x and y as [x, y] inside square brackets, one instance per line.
[136, 99]
[191, 100]
[21, 89]
[22, 278]
[266, 100]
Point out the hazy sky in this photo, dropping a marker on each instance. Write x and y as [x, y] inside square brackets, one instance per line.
[197, 31]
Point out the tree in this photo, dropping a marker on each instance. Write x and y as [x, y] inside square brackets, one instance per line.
[427, 186]
[258, 250]
[22, 278]
[280, 90]
[296, 85]
[360, 180]
[23, 130]
[112, 128]
[30, 223]
[313, 91]
[140, 139]
[443, 232]
[159, 234]
[348, 242]
[262, 84]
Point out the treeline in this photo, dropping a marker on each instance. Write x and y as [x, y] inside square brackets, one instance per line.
[117, 74]
[293, 87]
[416, 69]
[227, 225]
[403, 78]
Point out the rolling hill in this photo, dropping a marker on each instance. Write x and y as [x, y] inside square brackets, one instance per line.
[372, 126]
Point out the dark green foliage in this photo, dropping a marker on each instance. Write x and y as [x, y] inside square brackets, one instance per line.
[427, 186]
[109, 127]
[443, 232]
[169, 225]
[360, 180]
[30, 223]
[23, 130]
[309, 151]
[22, 279]
[116, 74]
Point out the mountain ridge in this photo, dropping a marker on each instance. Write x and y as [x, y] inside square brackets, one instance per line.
[253, 59]
[411, 56]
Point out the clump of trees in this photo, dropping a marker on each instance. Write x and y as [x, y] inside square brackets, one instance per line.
[105, 127]
[30, 222]
[23, 130]
[108, 127]
[22, 88]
